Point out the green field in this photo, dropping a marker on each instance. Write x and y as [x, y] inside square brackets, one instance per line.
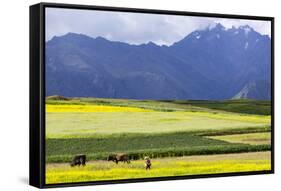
[247, 138]
[247, 106]
[159, 129]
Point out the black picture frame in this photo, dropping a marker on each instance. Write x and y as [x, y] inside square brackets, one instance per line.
[37, 93]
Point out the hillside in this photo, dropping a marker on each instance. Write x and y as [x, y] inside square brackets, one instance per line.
[211, 64]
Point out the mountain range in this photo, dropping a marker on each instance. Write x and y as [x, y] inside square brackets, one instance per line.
[210, 64]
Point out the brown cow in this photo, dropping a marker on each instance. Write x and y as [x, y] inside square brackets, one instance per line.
[118, 157]
[78, 160]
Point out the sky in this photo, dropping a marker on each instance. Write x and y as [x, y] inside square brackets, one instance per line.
[135, 28]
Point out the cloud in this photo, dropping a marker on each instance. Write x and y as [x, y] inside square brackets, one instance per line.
[134, 28]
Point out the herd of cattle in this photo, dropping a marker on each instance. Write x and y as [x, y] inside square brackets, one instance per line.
[81, 160]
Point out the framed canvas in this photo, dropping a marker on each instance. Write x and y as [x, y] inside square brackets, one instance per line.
[123, 95]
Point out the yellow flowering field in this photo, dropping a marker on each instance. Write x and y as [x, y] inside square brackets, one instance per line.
[91, 108]
[176, 166]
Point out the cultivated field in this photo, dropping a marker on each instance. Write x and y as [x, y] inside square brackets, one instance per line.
[167, 131]
[176, 166]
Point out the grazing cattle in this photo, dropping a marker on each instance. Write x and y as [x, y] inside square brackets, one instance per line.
[118, 157]
[78, 160]
[147, 163]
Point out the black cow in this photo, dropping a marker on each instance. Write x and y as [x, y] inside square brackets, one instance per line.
[78, 160]
[118, 157]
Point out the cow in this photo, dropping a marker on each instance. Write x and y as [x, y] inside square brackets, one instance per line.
[78, 160]
[118, 157]
[147, 163]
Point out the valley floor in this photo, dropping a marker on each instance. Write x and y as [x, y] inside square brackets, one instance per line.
[181, 137]
[175, 166]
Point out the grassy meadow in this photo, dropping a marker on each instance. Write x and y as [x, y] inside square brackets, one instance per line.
[172, 133]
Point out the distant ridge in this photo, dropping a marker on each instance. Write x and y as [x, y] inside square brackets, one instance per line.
[210, 64]
[57, 97]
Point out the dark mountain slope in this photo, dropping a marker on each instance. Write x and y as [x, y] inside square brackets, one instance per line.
[208, 64]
